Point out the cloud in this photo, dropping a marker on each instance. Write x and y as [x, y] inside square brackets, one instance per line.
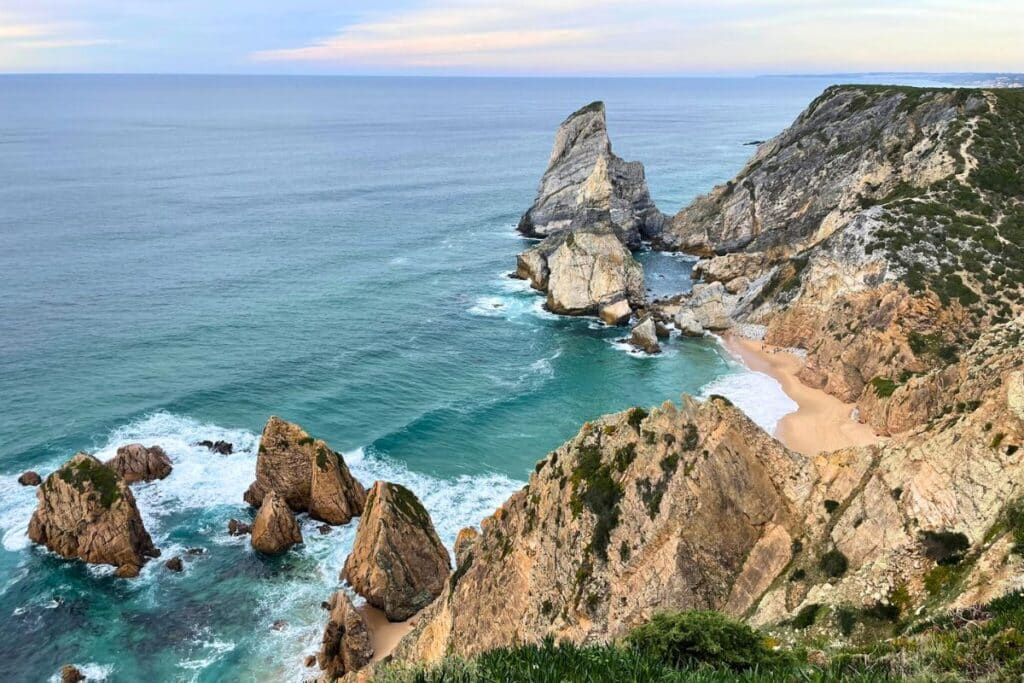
[672, 36]
[23, 38]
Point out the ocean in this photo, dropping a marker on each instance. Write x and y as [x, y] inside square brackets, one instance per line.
[185, 256]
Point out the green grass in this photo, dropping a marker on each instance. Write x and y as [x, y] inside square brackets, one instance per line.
[88, 470]
[884, 387]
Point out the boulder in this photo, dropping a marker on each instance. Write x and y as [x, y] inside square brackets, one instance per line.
[712, 306]
[30, 478]
[136, 463]
[174, 564]
[686, 322]
[397, 562]
[236, 528]
[586, 271]
[464, 544]
[583, 174]
[645, 336]
[346, 642]
[306, 473]
[71, 674]
[86, 511]
[275, 529]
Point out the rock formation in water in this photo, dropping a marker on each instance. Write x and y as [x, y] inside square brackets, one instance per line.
[346, 645]
[275, 530]
[583, 175]
[30, 478]
[221, 447]
[585, 271]
[86, 511]
[644, 336]
[306, 473]
[136, 463]
[397, 562]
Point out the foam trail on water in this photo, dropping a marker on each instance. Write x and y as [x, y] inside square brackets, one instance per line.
[759, 396]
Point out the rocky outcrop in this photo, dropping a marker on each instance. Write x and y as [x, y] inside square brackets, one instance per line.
[464, 542]
[682, 508]
[221, 447]
[397, 562]
[275, 530]
[686, 322]
[306, 473]
[136, 463]
[585, 271]
[86, 511]
[71, 674]
[237, 528]
[30, 478]
[644, 336]
[346, 645]
[583, 175]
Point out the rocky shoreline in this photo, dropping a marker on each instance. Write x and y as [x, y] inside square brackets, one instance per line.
[827, 242]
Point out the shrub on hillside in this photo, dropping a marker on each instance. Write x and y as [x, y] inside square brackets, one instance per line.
[684, 639]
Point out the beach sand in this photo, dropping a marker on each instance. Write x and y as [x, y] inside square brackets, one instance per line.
[384, 634]
[821, 422]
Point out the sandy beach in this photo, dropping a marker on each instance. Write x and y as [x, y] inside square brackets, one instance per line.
[384, 634]
[821, 422]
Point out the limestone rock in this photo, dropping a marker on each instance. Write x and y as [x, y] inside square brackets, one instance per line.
[586, 271]
[306, 473]
[464, 543]
[136, 462]
[712, 306]
[30, 478]
[346, 645]
[275, 529]
[686, 322]
[86, 511]
[583, 174]
[644, 336]
[691, 508]
[397, 562]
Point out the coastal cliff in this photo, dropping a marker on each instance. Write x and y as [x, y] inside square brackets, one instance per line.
[882, 235]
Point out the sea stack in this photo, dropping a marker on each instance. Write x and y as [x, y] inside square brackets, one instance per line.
[86, 511]
[345, 646]
[398, 563]
[136, 463]
[275, 529]
[306, 473]
[583, 174]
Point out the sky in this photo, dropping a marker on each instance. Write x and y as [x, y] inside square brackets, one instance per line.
[511, 37]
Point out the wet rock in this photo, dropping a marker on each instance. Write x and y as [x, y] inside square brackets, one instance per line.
[236, 528]
[71, 674]
[645, 336]
[136, 463]
[86, 511]
[306, 473]
[196, 551]
[174, 564]
[279, 625]
[345, 646]
[324, 529]
[397, 562]
[221, 447]
[583, 174]
[309, 661]
[30, 478]
[275, 529]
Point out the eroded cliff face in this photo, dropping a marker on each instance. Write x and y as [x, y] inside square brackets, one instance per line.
[693, 508]
[584, 175]
[879, 233]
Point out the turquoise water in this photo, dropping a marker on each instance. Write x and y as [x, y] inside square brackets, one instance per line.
[185, 256]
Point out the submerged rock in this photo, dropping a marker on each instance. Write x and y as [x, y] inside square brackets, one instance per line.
[30, 478]
[346, 645]
[306, 473]
[86, 511]
[221, 447]
[275, 529]
[645, 336]
[397, 562]
[236, 528]
[583, 174]
[136, 462]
